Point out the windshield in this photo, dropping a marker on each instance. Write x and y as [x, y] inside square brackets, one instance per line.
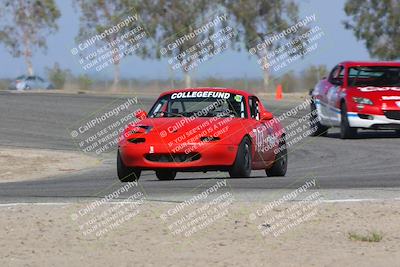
[374, 76]
[199, 104]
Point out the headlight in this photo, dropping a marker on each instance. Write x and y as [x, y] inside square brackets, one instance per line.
[141, 129]
[362, 100]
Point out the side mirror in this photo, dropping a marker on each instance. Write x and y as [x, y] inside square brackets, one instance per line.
[266, 116]
[140, 114]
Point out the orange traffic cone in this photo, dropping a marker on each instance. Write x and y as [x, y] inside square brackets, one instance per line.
[278, 93]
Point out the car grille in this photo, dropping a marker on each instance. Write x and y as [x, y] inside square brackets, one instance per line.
[393, 114]
[173, 157]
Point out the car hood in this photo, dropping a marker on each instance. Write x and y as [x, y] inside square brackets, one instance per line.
[189, 130]
[385, 93]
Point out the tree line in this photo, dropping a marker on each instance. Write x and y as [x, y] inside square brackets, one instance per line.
[26, 24]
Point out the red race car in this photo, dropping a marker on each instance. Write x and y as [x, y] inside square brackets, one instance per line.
[358, 95]
[203, 129]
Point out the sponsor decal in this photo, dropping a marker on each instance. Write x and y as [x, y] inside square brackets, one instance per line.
[264, 138]
[259, 136]
[376, 89]
[151, 150]
[398, 103]
[201, 94]
[392, 97]
[238, 98]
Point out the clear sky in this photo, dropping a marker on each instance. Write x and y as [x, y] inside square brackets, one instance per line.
[337, 45]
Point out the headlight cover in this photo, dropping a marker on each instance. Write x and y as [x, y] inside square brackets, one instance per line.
[363, 100]
[141, 129]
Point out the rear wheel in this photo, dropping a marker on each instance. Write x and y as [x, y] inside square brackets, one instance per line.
[279, 167]
[242, 165]
[346, 132]
[315, 124]
[165, 175]
[126, 174]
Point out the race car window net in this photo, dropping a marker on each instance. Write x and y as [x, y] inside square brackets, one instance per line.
[337, 75]
[232, 106]
[374, 76]
[254, 109]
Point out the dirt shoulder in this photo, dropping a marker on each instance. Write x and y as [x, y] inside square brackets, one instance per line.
[50, 235]
[20, 164]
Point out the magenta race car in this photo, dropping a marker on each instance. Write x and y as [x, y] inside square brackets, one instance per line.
[357, 95]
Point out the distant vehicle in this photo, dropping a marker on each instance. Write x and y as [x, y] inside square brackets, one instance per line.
[30, 83]
[358, 95]
[203, 129]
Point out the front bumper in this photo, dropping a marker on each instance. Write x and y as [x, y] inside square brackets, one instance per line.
[159, 156]
[371, 121]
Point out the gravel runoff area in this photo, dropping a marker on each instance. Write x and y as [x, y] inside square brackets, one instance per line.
[22, 164]
[331, 234]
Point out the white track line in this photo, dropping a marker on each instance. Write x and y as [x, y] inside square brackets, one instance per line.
[119, 202]
[357, 200]
[35, 203]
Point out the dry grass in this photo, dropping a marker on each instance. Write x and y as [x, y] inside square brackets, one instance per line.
[370, 237]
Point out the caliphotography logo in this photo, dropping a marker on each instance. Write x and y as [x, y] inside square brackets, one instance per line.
[199, 133]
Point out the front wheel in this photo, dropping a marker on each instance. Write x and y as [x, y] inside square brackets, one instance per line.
[279, 166]
[242, 165]
[125, 173]
[317, 128]
[165, 175]
[346, 132]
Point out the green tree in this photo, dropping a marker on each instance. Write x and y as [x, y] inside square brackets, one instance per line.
[312, 75]
[97, 16]
[258, 19]
[377, 22]
[57, 76]
[289, 82]
[84, 82]
[25, 25]
[181, 18]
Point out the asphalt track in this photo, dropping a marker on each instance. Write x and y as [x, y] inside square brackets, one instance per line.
[367, 167]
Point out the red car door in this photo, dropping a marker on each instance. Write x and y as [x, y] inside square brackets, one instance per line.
[262, 133]
[329, 95]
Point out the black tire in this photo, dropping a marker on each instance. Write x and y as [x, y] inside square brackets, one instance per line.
[166, 175]
[279, 166]
[320, 130]
[242, 165]
[126, 174]
[346, 132]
